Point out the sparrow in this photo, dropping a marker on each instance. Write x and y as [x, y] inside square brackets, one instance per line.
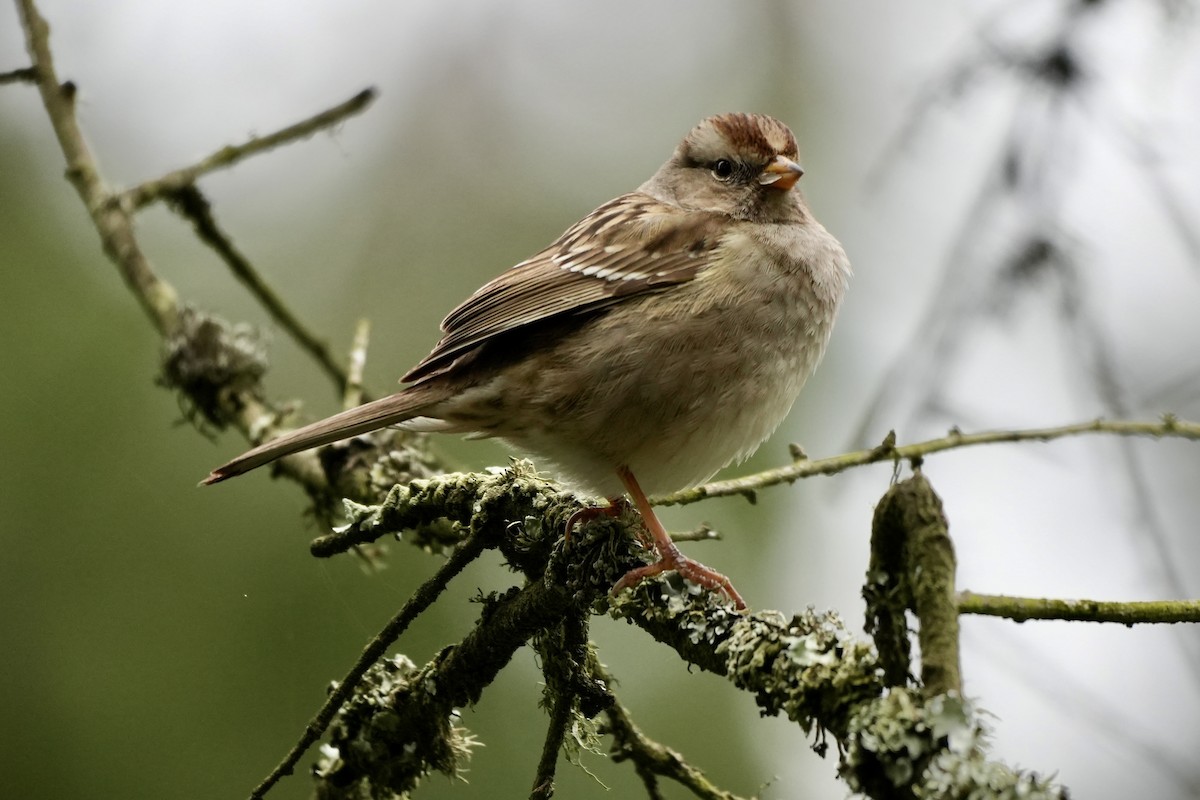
[662, 337]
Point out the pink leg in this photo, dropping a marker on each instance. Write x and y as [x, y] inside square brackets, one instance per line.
[669, 556]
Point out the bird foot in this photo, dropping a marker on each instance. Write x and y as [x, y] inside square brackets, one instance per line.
[688, 569]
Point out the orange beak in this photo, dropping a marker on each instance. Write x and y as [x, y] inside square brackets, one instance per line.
[782, 174]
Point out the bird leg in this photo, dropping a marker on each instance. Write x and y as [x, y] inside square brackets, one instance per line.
[669, 557]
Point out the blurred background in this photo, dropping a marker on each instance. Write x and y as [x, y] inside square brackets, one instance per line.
[1017, 184]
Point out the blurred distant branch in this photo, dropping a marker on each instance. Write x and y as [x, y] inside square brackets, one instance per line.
[1168, 427]
[1080, 125]
[1020, 609]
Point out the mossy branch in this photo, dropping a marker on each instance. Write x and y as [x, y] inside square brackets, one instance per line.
[372, 654]
[808, 668]
[912, 568]
[571, 696]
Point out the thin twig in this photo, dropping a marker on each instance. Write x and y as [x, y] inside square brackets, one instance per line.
[650, 758]
[191, 204]
[1168, 427]
[23, 75]
[146, 193]
[1124, 613]
[703, 533]
[421, 599]
[556, 730]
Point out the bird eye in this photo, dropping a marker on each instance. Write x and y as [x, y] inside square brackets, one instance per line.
[722, 169]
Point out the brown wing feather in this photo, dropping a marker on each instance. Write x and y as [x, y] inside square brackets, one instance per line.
[629, 246]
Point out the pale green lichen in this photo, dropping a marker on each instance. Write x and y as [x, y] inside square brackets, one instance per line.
[808, 668]
[891, 742]
[900, 746]
[380, 747]
[209, 360]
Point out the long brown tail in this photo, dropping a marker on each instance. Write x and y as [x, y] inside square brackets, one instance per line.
[390, 410]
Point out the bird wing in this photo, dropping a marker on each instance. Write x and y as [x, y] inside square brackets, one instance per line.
[629, 246]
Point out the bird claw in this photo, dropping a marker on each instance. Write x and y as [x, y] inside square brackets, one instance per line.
[687, 569]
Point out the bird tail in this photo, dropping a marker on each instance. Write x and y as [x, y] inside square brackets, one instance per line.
[372, 416]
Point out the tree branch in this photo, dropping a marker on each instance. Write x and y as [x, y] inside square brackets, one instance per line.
[910, 523]
[1168, 427]
[1125, 613]
[216, 367]
[564, 654]
[650, 759]
[807, 668]
[421, 599]
[388, 746]
[22, 75]
[189, 203]
[167, 185]
[112, 220]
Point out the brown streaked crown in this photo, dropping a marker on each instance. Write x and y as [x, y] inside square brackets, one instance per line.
[752, 135]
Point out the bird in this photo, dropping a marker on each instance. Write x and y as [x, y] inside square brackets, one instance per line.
[659, 339]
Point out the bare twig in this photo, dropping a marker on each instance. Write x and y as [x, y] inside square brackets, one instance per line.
[1127, 613]
[1168, 427]
[23, 75]
[146, 193]
[112, 217]
[702, 533]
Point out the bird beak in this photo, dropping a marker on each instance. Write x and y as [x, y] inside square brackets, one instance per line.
[782, 174]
